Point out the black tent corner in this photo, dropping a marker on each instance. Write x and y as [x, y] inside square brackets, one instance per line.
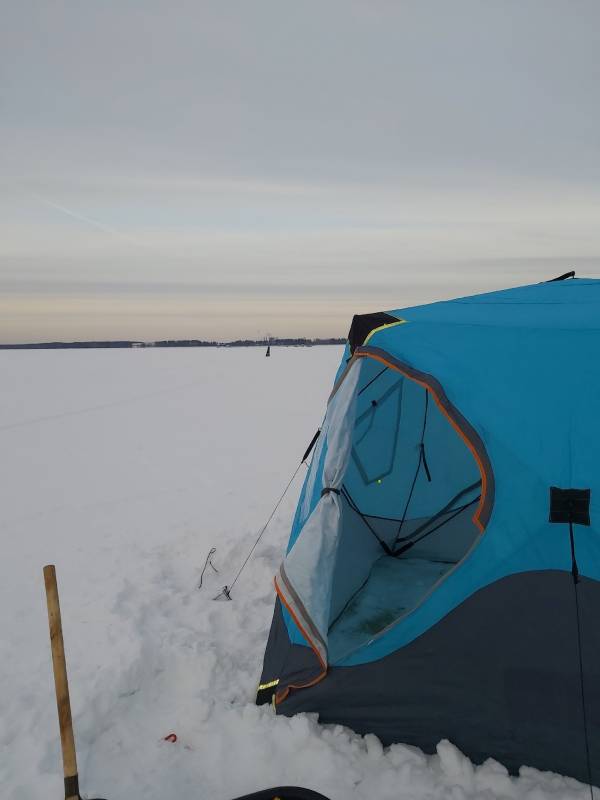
[363, 324]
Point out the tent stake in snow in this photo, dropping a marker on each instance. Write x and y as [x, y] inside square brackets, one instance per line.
[63, 703]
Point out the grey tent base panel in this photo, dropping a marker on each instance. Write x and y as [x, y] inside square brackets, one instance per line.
[475, 678]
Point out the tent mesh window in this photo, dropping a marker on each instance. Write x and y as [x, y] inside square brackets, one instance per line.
[408, 497]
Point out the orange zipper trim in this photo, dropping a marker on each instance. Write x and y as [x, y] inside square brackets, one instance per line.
[281, 695]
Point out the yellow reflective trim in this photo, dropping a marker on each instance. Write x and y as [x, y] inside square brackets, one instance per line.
[383, 327]
[269, 685]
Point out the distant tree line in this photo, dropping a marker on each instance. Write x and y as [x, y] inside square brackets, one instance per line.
[273, 341]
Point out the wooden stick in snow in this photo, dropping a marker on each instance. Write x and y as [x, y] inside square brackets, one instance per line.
[61, 684]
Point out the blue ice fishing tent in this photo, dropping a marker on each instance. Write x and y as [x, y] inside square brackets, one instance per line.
[442, 577]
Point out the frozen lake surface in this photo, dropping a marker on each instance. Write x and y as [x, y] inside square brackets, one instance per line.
[123, 468]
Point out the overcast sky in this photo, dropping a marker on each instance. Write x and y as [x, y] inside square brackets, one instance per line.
[223, 169]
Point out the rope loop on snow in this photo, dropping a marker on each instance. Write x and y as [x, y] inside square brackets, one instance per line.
[207, 563]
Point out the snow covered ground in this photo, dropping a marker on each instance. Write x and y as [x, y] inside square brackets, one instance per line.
[124, 468]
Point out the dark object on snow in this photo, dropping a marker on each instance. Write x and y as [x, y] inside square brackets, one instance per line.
[425, 593]
[284, 793]
[61, 684]
[268, 353]
[223, 594]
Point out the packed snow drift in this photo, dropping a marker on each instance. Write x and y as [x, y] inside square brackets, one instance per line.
[124, 468]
